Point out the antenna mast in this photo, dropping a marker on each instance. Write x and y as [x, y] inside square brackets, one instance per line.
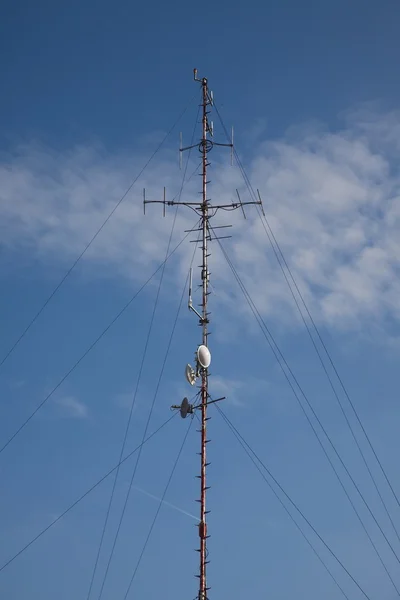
[203, 358]
[204, 323]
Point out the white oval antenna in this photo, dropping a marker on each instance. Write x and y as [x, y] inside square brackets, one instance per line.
[190, 375]
[204, 356]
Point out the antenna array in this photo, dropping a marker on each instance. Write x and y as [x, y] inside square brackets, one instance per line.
[206, 211]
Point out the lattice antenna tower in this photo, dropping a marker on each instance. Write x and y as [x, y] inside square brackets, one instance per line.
[206, 210]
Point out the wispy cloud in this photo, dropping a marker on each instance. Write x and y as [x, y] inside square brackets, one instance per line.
[332, 198]
[72, 408]
[124, 400]
[239, 392]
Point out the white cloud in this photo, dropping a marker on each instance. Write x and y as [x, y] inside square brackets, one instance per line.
[72, 408]
[230, 388]
[124, 400]
[236, 391]
[333, 201]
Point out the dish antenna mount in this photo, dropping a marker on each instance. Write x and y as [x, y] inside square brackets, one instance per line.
[185, 408]
[190, 374]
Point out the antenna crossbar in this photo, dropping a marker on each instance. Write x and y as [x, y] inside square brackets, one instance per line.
[199, 205]
[200, 229]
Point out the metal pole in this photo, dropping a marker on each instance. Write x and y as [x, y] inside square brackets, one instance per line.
[206, 210]
[204, 376]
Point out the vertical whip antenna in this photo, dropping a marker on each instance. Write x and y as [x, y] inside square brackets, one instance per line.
[206, 211]
[190, 287]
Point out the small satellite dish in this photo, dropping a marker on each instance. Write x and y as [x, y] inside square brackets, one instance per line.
[204, 356]
[185, 408]
[190, 375]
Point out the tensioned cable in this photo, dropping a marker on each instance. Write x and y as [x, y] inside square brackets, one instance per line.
[315, 551]
[133, 403]
[158, 510]
[137, 386]
[249, 451]
[280, 358]
[93, 487]
[93, 344]
[272, 239]
[145, 431]
[95, 235]
[278, 355]
[325, 369]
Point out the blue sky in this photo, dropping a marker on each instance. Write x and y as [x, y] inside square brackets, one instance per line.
[89, 90]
